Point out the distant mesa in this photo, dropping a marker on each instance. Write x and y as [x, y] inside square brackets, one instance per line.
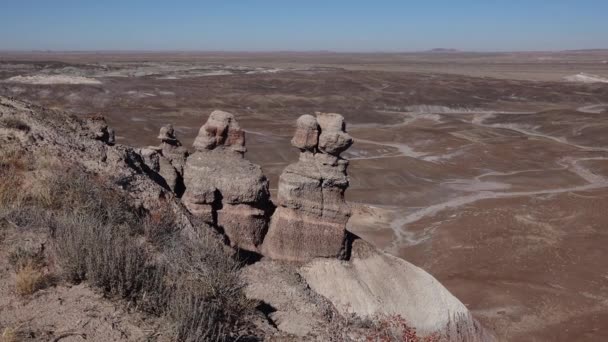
[443, 50]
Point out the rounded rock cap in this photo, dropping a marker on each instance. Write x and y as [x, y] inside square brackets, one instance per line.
[333, 138]
[306, 136]
[220, 130]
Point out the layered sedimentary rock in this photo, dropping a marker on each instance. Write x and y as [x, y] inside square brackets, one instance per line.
[221, 131]
[222, 187]
[311, 216]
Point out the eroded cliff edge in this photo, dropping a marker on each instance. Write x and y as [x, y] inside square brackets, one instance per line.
[303, 263]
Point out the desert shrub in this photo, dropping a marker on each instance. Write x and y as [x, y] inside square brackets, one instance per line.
[79, 193]
[207, 301]
[141, 257]
[196, 285]
[101, 239]
[14, 123]
[160, 225]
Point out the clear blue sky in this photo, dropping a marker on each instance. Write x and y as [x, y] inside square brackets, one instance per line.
[338, 25]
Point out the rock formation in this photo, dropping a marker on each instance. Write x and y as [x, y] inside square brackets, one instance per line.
[221, 131]
[167, 160]
[370, 284]
[86, 145]
[222, 187]
[172, 148]
[302, 299]
[375, 283]
[311, 217]
[100, 130]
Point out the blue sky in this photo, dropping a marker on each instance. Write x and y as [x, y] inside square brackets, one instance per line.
[337, 25]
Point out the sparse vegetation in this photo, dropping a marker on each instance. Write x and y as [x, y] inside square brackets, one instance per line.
[12, 166]
[383, 328]
[396, 329]
[100, 238]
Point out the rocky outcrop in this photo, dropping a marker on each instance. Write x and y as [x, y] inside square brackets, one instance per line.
[373, 283]
[311, 216]
[99, 130]
[86, 145]
[223, 188]
[172, 159]
[172, 148]
[221, 131]
[295, 308]
[370, 285]
[167, 160]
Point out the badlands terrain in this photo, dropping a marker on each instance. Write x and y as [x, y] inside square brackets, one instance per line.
[489, 171]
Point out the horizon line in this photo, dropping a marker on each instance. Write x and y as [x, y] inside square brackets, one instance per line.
[434, 50]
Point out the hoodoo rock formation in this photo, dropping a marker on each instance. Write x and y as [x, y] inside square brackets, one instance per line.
[231, 194]
[311, 217]
[223, 188]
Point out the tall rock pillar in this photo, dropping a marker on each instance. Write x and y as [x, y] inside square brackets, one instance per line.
[311, 216]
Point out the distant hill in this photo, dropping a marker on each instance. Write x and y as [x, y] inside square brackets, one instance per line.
[443, 50]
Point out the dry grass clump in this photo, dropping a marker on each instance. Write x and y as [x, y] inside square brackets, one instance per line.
[29, 274]
[25, 179]
[9, 335]
[28, 280]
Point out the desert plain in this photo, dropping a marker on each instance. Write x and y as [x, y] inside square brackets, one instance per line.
[488, 170]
